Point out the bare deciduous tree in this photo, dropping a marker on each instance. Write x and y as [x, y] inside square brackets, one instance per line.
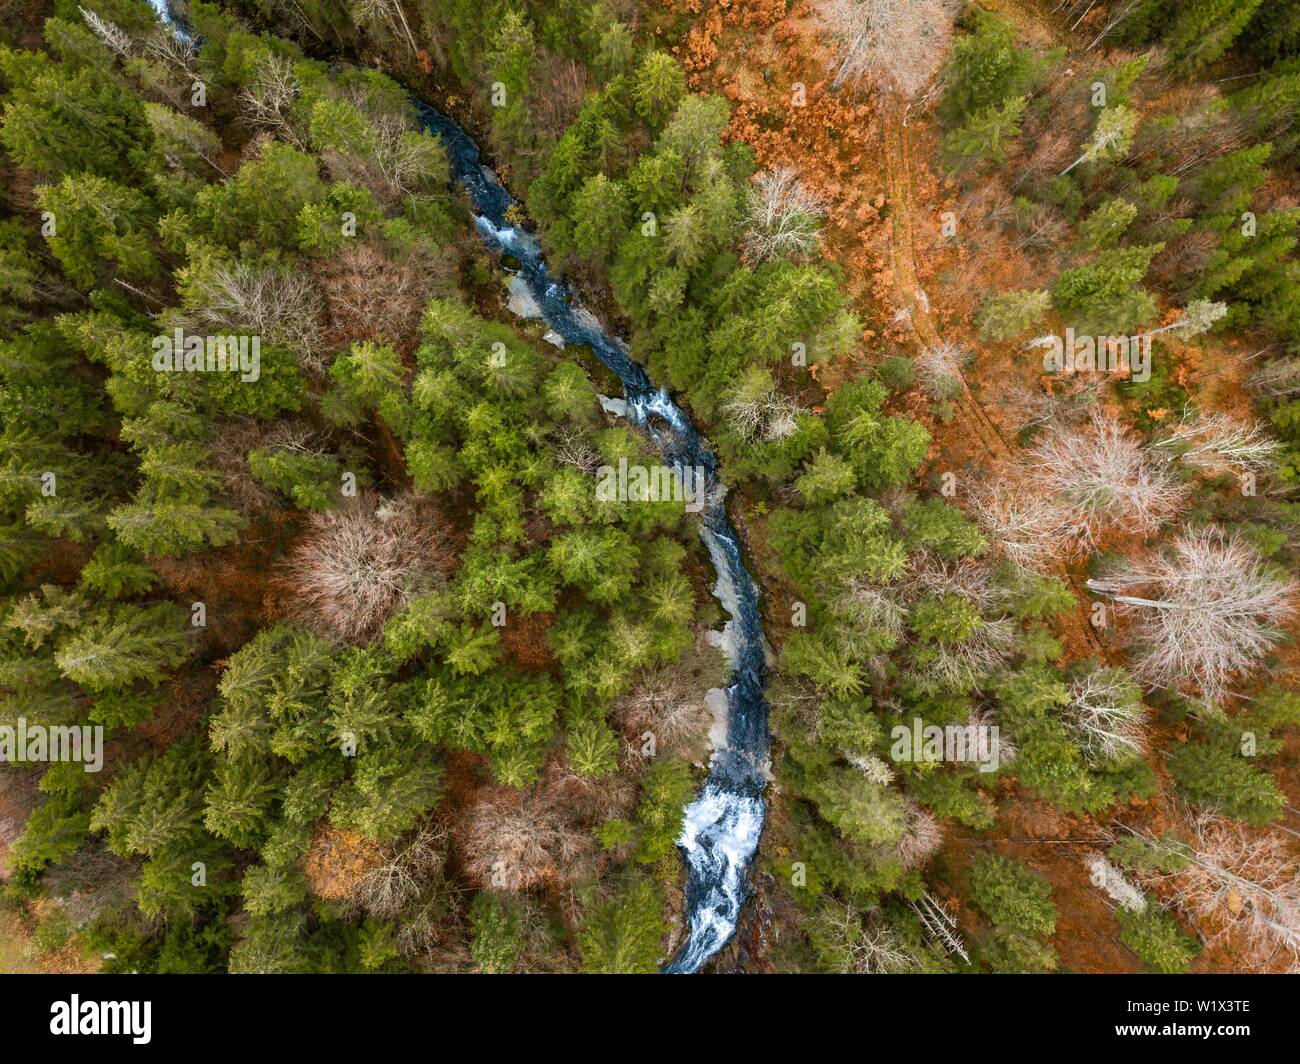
[373, 296]
[1205, 608]
[241, 435]
[357, 565]
[403, 157]
[762, 413]
[282, 306]
[901, 43]
[1106, 478]
[922, 836]
[983, 719]
[384, 14]
[114, 37]
[781, 217]
[1237, 883]
[1276, 377]
[1106, 715]
[266, 102]
[962, 663]
[1114, 883]
[517, 840]
[939, 367]
[940, 925]
[1020, 522]
[573, 447]
[958, 665]
[664, 704]
[173, 51]
[1217, 443]
[928, 574]
[1026, 406]
[566, 87]
[388, 888]
[864, 611]
[861, 944]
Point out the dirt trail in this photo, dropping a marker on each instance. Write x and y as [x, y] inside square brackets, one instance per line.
[1078, 627]
[907, 288]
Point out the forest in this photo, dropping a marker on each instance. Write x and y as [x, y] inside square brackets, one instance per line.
[990, 313]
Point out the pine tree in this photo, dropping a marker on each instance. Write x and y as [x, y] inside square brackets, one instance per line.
[1104, 226]
[617, 50]
[862, 809]
[985, 69]
[1215, 776]
[152, 806]
[1226, 184]
[1006, 315]
[393, 785]
[496, 931]
[124, 644]
[1270, 103]
[510, 60]
[59, 121]
[1204, 29]
[666, 788]
[56, 829]
[985, 133]
[592, 748]
[309, 478]
[1153, 934]
[238, 806]
[163, 528]
[1012, 895]
[624, 934]
[1103, 297]
[659, 84]
[601, 211]
[1111, 137]
[101, 230]
[934, 524]
[569, 394]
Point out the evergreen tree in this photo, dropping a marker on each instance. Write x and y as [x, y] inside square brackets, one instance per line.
[1204, 29]
[1103, 297]
[601, 210]
[101, 228]
[1211, 775]
[1011, 894]
[623, 934]
[1006, 315]
[123, 644]
[985, 133]
[1153, 934]
[659, 84]
[496, 933]
[59, 121]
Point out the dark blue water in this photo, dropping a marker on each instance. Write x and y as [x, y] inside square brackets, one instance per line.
[721, 828]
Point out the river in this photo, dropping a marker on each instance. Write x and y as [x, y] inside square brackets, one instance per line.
[721, 828]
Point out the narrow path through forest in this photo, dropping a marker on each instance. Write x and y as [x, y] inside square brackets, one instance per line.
[897, 156]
